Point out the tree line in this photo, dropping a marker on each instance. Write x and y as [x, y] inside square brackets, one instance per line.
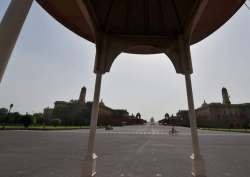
[8, 118]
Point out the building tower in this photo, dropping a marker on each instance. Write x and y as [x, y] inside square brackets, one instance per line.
[225, 96]
[204, 104]
[82, 96]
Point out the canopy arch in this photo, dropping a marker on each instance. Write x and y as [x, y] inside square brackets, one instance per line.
[108, 47]
[143, 60]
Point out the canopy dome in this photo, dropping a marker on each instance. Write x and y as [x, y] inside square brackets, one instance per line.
[164, 18]
[142, 26]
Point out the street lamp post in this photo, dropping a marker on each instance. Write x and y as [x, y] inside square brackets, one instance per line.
[7, 116]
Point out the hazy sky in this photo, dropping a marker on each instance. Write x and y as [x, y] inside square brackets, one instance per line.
[51, 63]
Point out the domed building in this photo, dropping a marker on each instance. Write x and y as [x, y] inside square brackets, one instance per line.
[217, 115]
[77, 112]
[225, 114]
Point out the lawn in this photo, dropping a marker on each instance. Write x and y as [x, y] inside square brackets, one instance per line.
[228, 130]
[41, 127]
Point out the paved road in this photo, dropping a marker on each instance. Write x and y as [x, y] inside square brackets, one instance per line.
[131, 151]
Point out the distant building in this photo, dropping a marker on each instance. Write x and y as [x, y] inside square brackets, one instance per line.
[181, 119]
[223, 115]
[78, 112]
[217, 115]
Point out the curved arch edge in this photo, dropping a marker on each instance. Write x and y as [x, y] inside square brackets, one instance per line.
[108, 47]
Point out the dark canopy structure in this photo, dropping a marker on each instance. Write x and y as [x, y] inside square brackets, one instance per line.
[142, 26]
[155, 18]
[132, 26]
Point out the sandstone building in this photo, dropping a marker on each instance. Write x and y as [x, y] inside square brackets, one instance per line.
[78, 112]
[217, 115]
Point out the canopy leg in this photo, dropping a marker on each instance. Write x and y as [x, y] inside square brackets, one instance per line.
[89, 164]
[198, 169]
[10, 28]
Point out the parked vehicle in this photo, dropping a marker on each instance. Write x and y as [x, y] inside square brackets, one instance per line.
[108, 127]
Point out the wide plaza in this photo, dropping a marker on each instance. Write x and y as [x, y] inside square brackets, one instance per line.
[129, 151]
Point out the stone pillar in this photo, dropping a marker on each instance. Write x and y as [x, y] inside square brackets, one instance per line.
[89, 164]
[198, 169]
[10, 28]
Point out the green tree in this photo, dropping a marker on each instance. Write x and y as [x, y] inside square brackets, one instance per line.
[6, 118]
[246, 125]
[27, 120]
[56, 122]
[15, 118]
[3, 111]
[3, 114]
[37, 118]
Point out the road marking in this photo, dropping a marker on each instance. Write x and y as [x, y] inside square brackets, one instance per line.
[143, 132]
[167, 133]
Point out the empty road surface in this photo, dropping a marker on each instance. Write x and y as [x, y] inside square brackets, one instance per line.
[129, 151]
